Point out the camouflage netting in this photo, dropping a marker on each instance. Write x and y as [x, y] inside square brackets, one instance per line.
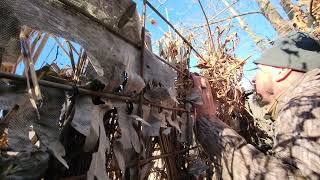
[9, 35]
[65, 133]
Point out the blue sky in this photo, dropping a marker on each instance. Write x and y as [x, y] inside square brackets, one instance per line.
[49, 52]
[187, 13]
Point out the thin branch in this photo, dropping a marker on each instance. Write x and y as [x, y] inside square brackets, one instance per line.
[175, 30]
[224, 10]
[225, 19]
[81, 59]
[288, 8]
[161, 3]
[209, 29]
[74, 49]
[235, 16]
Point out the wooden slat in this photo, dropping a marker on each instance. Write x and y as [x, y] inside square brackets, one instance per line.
[34, 43]
[73, 64]
[59, 44]
[40, 48]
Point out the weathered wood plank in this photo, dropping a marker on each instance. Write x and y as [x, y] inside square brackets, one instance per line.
[109, 55]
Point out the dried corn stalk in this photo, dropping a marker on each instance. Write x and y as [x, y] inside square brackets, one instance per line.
[224, 72]
[174, 50]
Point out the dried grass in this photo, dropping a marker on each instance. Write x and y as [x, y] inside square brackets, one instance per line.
[224, 72]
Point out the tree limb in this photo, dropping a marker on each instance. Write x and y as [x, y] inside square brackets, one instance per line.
[212, 48]
[228, 18]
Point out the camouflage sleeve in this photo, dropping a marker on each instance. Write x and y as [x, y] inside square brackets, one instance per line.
[297, 129]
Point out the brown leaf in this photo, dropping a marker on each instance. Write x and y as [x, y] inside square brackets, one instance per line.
[98, 163]
[173, 123]
[129, 136]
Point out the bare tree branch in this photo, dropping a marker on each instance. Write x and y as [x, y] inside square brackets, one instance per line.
[269, 11]
[228, 18]
[212, 48]
[224, 10]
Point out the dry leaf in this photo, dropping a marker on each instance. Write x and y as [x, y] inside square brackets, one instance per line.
[156, 120]
[83, 115]
[117, 150]
[138, 118]
[129, 136]
[97, 168]
[173, 123]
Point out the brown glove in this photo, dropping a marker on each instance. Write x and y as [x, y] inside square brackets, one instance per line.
[209, 106]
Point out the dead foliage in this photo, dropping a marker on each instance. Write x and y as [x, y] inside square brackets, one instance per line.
[177, 53]
[93, 137]
[224, 72]
[306, 16]
[4, 140]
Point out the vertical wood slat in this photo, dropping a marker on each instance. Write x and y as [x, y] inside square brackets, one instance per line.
[34, 43]
[40, 48]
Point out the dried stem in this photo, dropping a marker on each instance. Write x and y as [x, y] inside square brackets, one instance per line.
[212, 48]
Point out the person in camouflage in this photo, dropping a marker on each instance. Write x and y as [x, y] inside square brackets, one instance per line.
[288, 79]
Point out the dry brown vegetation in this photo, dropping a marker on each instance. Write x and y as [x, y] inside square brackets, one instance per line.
[159, 142]
[306, 16]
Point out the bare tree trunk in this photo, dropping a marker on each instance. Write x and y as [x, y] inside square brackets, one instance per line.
[288, 8]
[279, 24]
